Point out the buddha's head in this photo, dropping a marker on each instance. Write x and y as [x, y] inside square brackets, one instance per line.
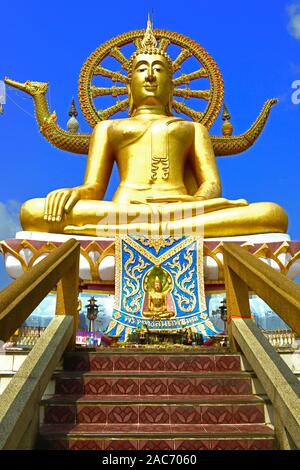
[150, 76]
[157, 284]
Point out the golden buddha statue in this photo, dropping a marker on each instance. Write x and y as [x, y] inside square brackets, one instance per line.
[169, 181]
[157, 303]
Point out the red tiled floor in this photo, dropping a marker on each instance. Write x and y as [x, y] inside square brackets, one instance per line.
[192, 444]
[153, 386]
[98, 386]
[60, 414]
[154, 401]
[101, 363]
[202, 364]
[154, 414]
[185, 414]
[242, 444]
[69, 386]
[187, 428]
[125, 386]
[181, 386]
[158, 428]
[120, 445]
[216, 414]
[157, 444]
[85, 444]
[228, 444]
[122, 414]
[126, 363]
[211, 386]
[248, 414]
[254, 428]
[228, 363]
[152, 363]
[91, 414]
[236, 386]
[261, 444]
[81, 362]
[177, 363]
[220, 428]
[150, 398]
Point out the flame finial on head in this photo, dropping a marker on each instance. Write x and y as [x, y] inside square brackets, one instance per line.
[149, 45]
[149, 39]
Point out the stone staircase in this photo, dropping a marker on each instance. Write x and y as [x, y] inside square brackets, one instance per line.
[154, 401]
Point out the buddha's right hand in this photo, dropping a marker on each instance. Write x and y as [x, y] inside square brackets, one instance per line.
[59, 202]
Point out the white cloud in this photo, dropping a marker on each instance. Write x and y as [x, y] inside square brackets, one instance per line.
[294, 23]
[9, 219]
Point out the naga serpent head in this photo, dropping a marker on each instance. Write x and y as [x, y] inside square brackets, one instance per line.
[32, 88]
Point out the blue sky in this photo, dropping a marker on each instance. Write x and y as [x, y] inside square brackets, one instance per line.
[257, 48]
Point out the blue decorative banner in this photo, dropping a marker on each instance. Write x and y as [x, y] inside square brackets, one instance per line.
[159, 285]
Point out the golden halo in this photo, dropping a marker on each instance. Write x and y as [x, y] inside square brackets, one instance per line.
[207, 69]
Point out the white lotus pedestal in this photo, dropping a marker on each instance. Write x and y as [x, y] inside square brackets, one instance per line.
[97, 271]
[97, 258]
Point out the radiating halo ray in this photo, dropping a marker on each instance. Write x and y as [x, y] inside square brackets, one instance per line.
[108, 112]
[115, 76]
[185, 78]
[188, 93]
[119, 56]
[182, 108]
[103, 91]
[182, 56]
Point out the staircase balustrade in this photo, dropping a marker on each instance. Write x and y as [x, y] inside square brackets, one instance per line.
[19, 403]
[244, 273]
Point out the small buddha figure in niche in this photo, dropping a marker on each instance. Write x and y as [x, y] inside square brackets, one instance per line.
[166, 166]
[157, 302]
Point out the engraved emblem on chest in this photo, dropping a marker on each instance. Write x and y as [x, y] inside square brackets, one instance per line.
[160, 149]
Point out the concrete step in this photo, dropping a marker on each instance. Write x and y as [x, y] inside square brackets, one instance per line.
[160, 412]
[169, 384]
[158, 437]
[151, 362]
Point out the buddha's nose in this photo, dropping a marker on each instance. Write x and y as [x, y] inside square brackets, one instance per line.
[150, 77]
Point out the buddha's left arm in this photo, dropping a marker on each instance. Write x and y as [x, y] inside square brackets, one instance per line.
[204, 164]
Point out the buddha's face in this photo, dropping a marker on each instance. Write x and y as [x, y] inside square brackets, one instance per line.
[157, 286]
[151, 83]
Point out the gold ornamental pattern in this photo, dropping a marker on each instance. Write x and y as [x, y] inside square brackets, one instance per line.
[184, 282]
[207, 69]
[133, 273]
[156, 243]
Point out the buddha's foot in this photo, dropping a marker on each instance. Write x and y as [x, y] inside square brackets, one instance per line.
[237, 202]
[91, 229]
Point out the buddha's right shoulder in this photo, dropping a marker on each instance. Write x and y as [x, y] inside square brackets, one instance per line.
[111, 124]
[102, 126]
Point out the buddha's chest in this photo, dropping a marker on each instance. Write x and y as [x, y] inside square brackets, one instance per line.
[157, 299]
[158, 136]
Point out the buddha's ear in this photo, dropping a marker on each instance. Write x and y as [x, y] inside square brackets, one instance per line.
[131, 107]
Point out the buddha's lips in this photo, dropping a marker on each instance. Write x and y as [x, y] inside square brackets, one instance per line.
[150, 87]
